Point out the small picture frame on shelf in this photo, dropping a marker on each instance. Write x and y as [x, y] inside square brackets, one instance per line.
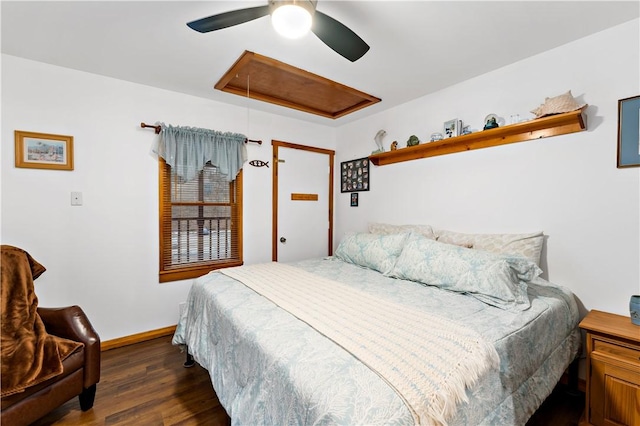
[452, 128]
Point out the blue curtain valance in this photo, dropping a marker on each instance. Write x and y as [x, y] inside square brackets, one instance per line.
[188, 149]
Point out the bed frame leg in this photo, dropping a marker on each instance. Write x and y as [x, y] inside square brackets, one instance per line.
[189, 361]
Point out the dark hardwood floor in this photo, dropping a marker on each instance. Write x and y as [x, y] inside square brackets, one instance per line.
[562, 408]
[146, 384]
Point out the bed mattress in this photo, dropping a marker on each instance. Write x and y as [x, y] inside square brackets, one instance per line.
[268, 367]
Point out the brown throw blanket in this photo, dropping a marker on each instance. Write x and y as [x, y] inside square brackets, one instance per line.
[29, 354]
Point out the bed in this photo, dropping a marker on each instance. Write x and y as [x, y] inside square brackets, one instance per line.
[505, 350]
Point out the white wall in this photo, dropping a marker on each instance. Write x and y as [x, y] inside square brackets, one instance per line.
[103, 255]
[567, 186]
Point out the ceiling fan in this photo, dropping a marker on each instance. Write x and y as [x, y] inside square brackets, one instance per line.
[297, 17]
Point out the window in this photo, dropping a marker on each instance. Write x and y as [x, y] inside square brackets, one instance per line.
[200, 223]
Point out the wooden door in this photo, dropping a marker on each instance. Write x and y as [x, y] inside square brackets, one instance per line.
[302, 202]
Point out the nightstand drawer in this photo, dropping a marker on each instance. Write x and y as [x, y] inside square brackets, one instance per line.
[622, 353]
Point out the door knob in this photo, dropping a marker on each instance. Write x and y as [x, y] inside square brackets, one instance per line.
[283, 240]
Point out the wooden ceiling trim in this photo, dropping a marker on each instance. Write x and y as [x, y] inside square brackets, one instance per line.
[240, 63]
[278, 101]
[269, 80]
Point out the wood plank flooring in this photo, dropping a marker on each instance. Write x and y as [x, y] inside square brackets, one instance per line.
[146, 384]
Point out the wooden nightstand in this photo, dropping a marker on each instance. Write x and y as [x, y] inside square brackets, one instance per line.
[613, 370]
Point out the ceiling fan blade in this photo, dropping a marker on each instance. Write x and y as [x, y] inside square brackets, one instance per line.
[338, 37]
[228, 19]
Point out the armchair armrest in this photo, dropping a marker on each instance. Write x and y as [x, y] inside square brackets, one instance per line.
[72, 323]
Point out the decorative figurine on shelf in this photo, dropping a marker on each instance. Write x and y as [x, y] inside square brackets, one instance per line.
[413, 140]
[491, 122]
[394, 145]
[558, 104]
[378, 139]
[436, 137]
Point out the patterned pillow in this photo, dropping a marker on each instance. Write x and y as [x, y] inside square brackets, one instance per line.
[373, 251]
[385, 229]
[497, 280]
[527, 245]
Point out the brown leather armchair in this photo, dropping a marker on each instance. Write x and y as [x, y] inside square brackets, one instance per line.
[81, 371]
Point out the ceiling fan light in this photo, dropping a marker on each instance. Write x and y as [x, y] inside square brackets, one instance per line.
[291, 21]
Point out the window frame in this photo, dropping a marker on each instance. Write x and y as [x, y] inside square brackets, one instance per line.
[194, 270]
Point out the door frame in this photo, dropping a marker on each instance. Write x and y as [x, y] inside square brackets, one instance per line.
[274, 203]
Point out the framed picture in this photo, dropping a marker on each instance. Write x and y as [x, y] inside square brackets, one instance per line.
[43, 151]
[629, 132]
[452, 128]
[354, 175]
[354, 199]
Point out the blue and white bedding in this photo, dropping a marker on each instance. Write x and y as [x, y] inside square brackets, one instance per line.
[270, 368]
[390, 338]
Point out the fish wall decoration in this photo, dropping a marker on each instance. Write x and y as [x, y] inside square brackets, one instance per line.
[259, 163]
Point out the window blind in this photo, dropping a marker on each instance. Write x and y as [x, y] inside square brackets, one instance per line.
[200, 222]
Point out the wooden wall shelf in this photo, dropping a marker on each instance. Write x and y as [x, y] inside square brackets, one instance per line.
[554, 125]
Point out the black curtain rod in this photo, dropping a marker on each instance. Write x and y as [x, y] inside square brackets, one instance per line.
[158, 128]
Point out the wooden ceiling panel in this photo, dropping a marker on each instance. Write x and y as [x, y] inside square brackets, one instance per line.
[266, 79]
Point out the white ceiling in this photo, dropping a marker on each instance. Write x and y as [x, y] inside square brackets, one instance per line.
[417, 47]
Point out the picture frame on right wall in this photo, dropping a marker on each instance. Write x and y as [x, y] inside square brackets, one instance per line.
[629, 132]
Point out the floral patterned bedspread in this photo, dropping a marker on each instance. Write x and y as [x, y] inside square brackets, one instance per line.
[269, 368]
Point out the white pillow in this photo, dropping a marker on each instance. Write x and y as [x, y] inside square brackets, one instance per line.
[527, 245]
[373, 251]
[497, 280]
[385, 229]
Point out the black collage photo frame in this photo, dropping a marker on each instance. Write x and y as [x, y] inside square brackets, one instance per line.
[354, 175]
